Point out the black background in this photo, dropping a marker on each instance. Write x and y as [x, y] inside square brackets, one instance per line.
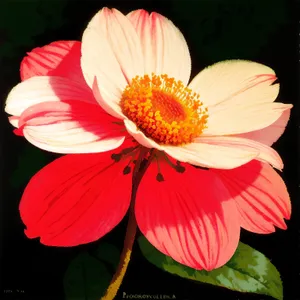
[263, 31]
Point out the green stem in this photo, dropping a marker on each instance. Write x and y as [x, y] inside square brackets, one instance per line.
[131, 230]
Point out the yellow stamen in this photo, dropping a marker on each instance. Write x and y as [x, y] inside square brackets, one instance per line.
[164, 109]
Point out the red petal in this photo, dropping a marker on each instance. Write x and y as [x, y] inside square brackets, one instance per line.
[13, 120]
[261, 196]
[61, 58]
[76, 199]
[18, 132]
[189, 216]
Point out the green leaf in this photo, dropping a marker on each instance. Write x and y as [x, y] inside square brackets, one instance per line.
[86, 278]
[247, 271]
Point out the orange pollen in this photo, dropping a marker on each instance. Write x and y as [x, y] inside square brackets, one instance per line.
[164, 109]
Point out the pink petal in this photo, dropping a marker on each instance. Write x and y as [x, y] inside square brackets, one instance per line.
[41, 89]
[239, 96]
[270, 134]
[71, 127]
[196, 224]
[261, 196]
[76, 199]
[225, 152]
[164, 48]
[61, 58]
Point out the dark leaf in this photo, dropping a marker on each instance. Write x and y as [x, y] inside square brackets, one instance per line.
[247, 271]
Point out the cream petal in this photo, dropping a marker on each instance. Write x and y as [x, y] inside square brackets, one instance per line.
[222, 81]
[223, 152]
[97, 58]
[122, 39]
[14, 121]
[239, 97]
[71, 127]
[107, 100]
[41, 89]
[111, 57]
[164, 48]
[270, 134]
[111, 49]
[100, 66]
[139, 136]
[243, 119]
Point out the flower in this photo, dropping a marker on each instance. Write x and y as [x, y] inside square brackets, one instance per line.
[124, 89]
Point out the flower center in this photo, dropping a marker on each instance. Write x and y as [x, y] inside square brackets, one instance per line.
[164, 109]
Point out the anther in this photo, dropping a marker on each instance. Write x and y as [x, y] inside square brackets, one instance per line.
[128, 150]
[160, 177]
[127, 170]
[116, 157]
[180, 169]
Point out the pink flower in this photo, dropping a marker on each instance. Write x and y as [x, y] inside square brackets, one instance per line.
[124, 89]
